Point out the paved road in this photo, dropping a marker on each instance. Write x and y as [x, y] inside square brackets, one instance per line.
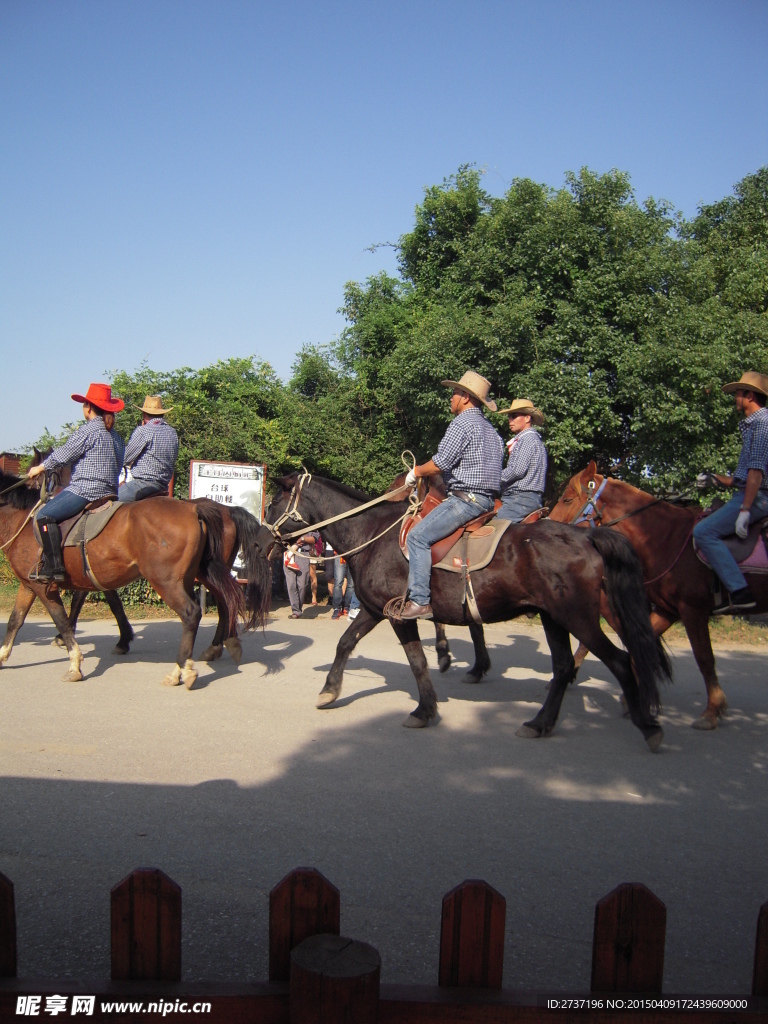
[229, 786]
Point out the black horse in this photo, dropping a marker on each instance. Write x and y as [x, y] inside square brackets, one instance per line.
[563, 573]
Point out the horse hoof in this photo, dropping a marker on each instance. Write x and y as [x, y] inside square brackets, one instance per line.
[235, 649]
[324, 699]
[173, 678]
[527, 733]
[654, 740]
[58, 641]
[189, 674]
[444, 663]
[413, 721]
[705, 723]
[73, 677]
[119, 649]
[471, 678]
[212, 653]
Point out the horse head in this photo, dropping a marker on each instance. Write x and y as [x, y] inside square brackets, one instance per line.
[577, 502]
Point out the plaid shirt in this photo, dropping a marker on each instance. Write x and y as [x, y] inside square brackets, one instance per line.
[754, 449]
[96, 457]
[471, 454]
[526, 468]
[152, 452]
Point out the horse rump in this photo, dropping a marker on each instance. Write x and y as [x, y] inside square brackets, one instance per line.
[258, 587]
[214, 570]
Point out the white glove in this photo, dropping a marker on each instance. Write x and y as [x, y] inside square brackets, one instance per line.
[742, 524]
[704, 480]
[410, 478]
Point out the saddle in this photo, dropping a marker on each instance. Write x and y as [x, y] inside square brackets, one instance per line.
[750, 553]
[79, 530]
[473, 545]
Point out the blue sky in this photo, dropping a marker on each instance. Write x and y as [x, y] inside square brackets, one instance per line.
[184, 181]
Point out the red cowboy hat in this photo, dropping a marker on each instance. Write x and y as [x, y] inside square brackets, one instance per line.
[100, 396]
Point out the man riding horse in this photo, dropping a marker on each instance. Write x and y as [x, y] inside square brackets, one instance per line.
[470, 457]
[95, 453]
[750, 502]
[151, 453]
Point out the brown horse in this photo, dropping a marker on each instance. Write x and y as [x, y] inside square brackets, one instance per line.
[678, 584]
[563, 573]
[168, 542]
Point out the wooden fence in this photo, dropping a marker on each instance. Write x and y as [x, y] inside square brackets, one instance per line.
[318, 976]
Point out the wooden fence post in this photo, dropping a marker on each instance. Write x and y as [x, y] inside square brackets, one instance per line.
[334, 979]
[760, 969]
[472, 936]
[7, 928]
[146, 927]
[628, 944]
[304, 903]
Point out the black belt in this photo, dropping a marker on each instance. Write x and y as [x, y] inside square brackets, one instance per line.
[470, 495]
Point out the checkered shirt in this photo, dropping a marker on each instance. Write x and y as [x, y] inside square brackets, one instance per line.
[471, 454]
[754, 448]
[152, 452]
[526, 468]
[96, 457]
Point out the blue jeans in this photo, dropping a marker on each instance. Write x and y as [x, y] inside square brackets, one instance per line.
[62, 506]
[447, 517]
[516, 505]
[348, 599]
[708, 532]
[135, 490]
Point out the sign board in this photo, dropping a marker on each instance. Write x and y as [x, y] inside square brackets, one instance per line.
[229, 483]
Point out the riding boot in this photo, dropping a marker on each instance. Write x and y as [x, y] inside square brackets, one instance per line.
[53, 563]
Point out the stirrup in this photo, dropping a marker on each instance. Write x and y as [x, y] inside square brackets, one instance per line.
[394, 606]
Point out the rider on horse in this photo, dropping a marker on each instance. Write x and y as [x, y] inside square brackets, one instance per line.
[95, 453]
[750, 502]
[524, 478]
[470, 457]
[151, 453]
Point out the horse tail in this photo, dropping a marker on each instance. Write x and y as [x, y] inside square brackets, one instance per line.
[629, 603]
[213, 566]
[258, 589]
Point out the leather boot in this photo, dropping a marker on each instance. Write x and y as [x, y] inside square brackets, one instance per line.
[53, 563]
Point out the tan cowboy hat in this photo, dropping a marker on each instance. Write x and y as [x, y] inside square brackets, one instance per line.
[750, 381]
[524, 407]
[153, 406]
[474, 385]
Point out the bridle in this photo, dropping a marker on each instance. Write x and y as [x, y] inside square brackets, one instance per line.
[590, 513]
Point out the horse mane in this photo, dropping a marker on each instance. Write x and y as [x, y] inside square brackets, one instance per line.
[20, 497]
[350, 492]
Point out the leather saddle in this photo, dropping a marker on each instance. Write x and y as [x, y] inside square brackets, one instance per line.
[483, 527]
[89, 522]
[750, 553]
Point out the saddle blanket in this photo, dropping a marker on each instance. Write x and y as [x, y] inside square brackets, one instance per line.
[750, 553]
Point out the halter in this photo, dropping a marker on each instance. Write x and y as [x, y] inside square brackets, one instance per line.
[594, 515]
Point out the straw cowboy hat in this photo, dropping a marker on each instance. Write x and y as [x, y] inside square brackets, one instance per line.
[474, 385]
[750, 381]
[100, 396]
[524, 407]
[153, 406]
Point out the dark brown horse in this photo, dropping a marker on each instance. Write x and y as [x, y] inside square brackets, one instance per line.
[678, 584]
[563, 573]
[168, 542]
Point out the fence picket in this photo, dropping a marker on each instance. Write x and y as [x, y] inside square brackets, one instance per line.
[628, 944]
[7, 928]
[146, 927]
[304, 903]
[472, 936]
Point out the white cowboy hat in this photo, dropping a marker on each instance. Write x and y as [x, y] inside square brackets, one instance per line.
[524, 407]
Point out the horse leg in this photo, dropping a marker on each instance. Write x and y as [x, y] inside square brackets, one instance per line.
[696, 623]
[482, 664]
[563, 673]
[52, 601]
[126, 630]
[442, 648]
[408, 635]
[75, 607]
[177, 597]
[355, 631]
[213, 652]
[24, 600]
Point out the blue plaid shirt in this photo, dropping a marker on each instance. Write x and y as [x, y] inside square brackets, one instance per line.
[96, 457]
[754, 449]
[471, 454]
[526, 468]
[152, 452]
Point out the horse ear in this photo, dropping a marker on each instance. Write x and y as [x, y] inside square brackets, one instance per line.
[591, 469]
